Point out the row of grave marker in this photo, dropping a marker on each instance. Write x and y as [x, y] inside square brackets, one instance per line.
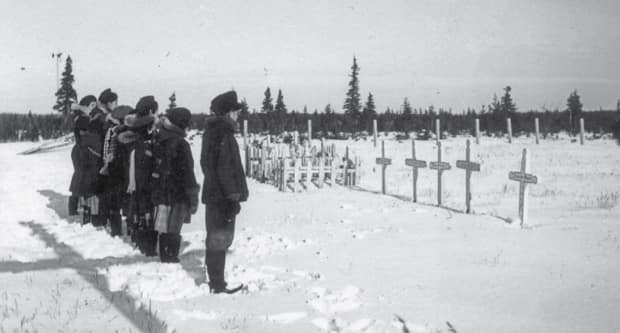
[438, 130]
[522, 176]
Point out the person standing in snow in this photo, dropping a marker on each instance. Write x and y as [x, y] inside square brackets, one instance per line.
[174, 186]
[112, 174]
[224, 186]
[108, 100]
[135, 145]
[80, 122]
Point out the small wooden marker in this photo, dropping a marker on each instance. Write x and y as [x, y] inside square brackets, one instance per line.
[537, 130]
[374, 132]
[581, 130]
[477, 131]
[523, 178]
[383, 161]
[440, 167]
[415, 164]
[509, 127]
[309, 130]
[468, 166]
[437, 129]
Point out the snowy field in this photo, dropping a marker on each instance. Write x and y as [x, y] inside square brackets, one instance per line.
[336, 259]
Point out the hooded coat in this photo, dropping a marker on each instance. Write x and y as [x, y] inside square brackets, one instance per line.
[220, 161]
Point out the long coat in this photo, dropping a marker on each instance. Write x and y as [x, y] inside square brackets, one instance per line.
[89, 164]
[221, 163]
[173, 179]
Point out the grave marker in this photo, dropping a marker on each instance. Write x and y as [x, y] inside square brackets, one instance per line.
[581, 130]
[523, 178]
[440, 167]
[477, 131]
[509, 127]
[384, 162]
[536, 129]
[468, 166]
[374, 132]
[415, 164]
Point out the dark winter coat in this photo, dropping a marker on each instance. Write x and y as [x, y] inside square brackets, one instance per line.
[74, 187]
[173, 180]
[89, 164]
[139, 142]
[221, 163]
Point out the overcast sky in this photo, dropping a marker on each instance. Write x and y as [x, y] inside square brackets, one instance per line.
[451, 54]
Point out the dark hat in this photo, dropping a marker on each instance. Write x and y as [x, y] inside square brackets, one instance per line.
[225, 103]
[107, 96]
[146, 105]
[86, 100]
[136, 121]
[180, 117]
[81, 122]
[121, 111]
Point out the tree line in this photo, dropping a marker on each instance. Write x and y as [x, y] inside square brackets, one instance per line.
[356, 117]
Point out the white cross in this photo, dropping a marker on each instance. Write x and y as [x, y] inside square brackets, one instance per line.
[440, 167]
[415, 164]
[469, 167]
[523, 178]
[384, 162]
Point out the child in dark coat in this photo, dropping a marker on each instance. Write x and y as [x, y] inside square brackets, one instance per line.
[174, 186]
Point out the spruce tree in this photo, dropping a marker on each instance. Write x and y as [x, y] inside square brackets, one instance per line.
[407, 107]
[173, 99]
[369, 112]
[507, 105]
[280, 106]
[267, 102]
[66, 95]
[352, 104]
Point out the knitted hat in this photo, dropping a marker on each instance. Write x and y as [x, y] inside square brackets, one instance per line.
[86, 100]
[181, 117]
[146, 105]
[121, 111]
[107, 96]
[225, 103]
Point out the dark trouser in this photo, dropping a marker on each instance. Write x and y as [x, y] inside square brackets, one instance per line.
[170, 238]
[73, 205]
[220, 235]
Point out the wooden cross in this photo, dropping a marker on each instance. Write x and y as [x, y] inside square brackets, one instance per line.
[440, 167]
[523, 178]
[469, 166]
[383, 161]
[415, 164]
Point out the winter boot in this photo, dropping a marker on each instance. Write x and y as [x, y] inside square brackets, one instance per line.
[99, 220]
[73, 205]
[147, 242]
[174, 245]
[216, 262]
[116, 225]
[86, 217]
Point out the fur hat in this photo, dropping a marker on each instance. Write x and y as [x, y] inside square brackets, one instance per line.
[180, 117]
[86, 100]
[225, 103]
[146, 105]
[107, 96]
[136, 121]
[121, 111]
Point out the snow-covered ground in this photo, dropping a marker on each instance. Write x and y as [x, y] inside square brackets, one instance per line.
[336, 259]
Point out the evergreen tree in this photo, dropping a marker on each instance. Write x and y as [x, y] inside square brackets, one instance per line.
[280, 106]
[267, 102]
[352, 105]
[507, 106]
[369, 113]
[172, 99]
[244, 114]
[574, 108]
[407, 107]
[66, 95]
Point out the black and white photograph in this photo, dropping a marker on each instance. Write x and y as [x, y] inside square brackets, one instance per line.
[330, 166]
